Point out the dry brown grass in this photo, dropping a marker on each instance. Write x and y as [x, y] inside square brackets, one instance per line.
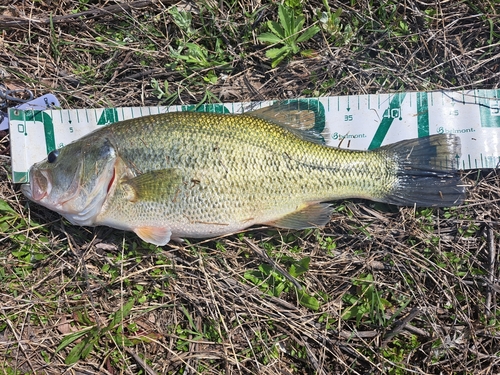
[430, 276]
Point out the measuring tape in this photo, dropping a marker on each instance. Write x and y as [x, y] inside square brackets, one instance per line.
[359, 122]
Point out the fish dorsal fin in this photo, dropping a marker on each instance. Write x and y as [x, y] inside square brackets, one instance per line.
[311, 216]
[295, 116]
[157, 235]
[153, 185]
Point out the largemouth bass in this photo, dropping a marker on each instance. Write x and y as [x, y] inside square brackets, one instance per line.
[197, 175]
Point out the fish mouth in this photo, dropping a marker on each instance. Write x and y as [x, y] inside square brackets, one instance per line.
[39, 186]
[26, 190]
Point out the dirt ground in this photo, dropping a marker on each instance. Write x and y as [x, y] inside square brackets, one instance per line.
[391, 290]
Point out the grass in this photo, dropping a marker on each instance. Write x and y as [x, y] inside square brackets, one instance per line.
[288, 32]
[379, 290]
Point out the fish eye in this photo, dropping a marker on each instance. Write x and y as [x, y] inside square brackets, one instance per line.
[52, 156]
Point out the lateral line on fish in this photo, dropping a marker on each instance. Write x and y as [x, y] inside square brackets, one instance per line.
[209, 223]
[311, 166]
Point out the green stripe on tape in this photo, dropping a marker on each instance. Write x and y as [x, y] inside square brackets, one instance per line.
[20, 177]
[48, 127]
[108, 116]
[394, 111]
[422, 114]
[489, 109]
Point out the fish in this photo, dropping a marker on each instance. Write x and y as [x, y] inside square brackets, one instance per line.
[201, 175]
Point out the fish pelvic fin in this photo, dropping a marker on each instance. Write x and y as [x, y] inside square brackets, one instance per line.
[426, 171]
[158, 236]
[311, 216]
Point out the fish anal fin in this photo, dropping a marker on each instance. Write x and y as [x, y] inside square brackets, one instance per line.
[153, 185]
[311, 216]
[157, 235]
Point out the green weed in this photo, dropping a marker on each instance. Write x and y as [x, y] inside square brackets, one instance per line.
[183, 20]
[191, 332]
[196, 49]
[275, 284]
[331, 24]
[397, 352]
[162, 92]
[14, 226]
[288, 33]
[90, 337]
[367, 304]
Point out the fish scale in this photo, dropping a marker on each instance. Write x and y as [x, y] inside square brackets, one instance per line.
[183, 174]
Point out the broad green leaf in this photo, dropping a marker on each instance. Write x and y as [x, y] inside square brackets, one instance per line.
[253, 276]
[75, 354]
[189, 318]
[349, 313]
[4, 207]
[300, 267]
[285, 16]
[278, 289]
[276, 62]
[82, 349]
[123, 340]
[304, 263]
[72, 337]
[275, 53]
[295, 48]
[299, 22]
[269, 38]
[308, 301]
[308, 34]
[293, 3]
[349, 298]
[121, 314]
[276, 29]
[90, 343]
[83, 317]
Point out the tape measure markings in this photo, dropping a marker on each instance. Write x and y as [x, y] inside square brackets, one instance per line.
[394, 117]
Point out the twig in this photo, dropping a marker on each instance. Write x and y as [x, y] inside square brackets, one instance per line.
[400, 326]
[276, 266]
[141, 362]
[491, 269]
[18, 337]
[146, 73]
[313, 361]
[17, 22]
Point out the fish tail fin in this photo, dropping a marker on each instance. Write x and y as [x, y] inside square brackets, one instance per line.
[427, 174]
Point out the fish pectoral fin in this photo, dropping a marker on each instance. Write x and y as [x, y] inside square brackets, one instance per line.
[311, 216]
[153, 185]
[156, 235]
